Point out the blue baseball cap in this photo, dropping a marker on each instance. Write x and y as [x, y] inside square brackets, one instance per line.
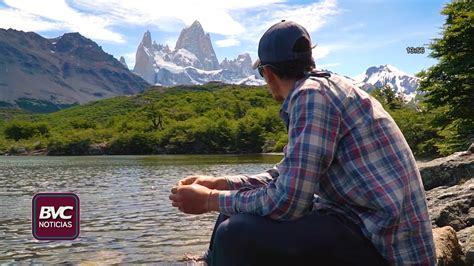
[278, 42]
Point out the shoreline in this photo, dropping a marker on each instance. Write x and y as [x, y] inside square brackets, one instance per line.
[33, 154]
[153, 154]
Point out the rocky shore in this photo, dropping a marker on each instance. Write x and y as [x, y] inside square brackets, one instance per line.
[449, 185]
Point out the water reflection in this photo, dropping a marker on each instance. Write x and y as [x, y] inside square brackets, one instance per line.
[125, 212]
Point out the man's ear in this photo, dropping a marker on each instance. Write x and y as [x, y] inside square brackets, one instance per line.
[269, 75]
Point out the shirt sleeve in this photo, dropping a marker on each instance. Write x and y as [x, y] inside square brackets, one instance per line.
[236, 182]
[312, 137]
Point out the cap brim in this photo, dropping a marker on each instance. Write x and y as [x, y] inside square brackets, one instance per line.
[256, 64]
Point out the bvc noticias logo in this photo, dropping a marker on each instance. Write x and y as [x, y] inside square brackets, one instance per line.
[55, 216]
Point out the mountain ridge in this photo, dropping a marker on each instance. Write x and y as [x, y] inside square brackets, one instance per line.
[388, 75]
[66, 70]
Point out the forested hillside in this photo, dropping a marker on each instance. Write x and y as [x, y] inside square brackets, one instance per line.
[212, 118]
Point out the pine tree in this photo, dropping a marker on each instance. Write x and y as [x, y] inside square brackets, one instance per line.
[449, 85]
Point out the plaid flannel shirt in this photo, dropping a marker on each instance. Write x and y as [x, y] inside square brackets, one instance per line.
[344, 153]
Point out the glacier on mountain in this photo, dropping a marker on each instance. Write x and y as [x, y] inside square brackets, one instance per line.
[388, 75]
[193, 61]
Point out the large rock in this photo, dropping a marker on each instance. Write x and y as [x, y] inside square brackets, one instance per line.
[448, 250]
[466, 239]
[453, 206]
[449, 183]
[447, 171]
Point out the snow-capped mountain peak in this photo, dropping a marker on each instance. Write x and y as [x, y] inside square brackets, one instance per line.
[388, 75]
[193, 61]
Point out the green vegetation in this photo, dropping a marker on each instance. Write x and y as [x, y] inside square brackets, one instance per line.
[17, 130]
[449, 85]
[413, 122]
[39, 106]
[213, 118]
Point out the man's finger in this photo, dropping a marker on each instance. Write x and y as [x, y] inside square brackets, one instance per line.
[174, 190]
[182, 182]
[187, 180]
[174, 197]
[176, 204]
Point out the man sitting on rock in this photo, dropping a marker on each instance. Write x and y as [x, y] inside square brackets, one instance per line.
[347, 192]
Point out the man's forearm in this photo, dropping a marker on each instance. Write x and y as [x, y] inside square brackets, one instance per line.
[214, 199]
[236, 182]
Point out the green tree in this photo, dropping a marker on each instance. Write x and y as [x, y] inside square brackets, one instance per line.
[133, 143]
[81, 123]
[449, 84]
[154, 114]
[388, 98]
[17, 130]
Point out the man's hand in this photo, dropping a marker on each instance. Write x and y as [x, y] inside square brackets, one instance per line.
[211, 182]
[191, 199]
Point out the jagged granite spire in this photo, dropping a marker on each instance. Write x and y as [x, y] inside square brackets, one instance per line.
[144, 59]
[196, 41]
[242, 65]
[146, 41]
[193, 61]
[124, 63]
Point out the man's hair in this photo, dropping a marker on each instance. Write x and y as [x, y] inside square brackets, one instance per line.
[295, 69]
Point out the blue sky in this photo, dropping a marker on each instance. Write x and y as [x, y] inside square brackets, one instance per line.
[350, 35]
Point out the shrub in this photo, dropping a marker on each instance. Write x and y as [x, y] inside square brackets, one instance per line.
[17, 130]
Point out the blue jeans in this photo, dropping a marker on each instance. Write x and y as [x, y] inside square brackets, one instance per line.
[316, 239]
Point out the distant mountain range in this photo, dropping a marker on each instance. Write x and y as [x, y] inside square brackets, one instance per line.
[193, 61]
[44, 75]
[387, 75]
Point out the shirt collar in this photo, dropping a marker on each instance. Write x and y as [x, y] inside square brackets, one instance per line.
[284, 107]
[286, 102]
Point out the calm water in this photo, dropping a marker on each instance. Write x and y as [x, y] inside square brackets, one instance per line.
[126, 216]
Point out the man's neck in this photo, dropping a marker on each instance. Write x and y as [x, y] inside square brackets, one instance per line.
[286, 86]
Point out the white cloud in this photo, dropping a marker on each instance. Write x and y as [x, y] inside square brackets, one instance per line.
[312, 16]
[227, 42]
[320, 52]
[20, 20]
[242, 21]
[171, 42]
[130, 59]
[56, 15]
[329, 65]
[354, 27]
[216, 16]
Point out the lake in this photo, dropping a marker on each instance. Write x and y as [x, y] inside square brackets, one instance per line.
[126, 216]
